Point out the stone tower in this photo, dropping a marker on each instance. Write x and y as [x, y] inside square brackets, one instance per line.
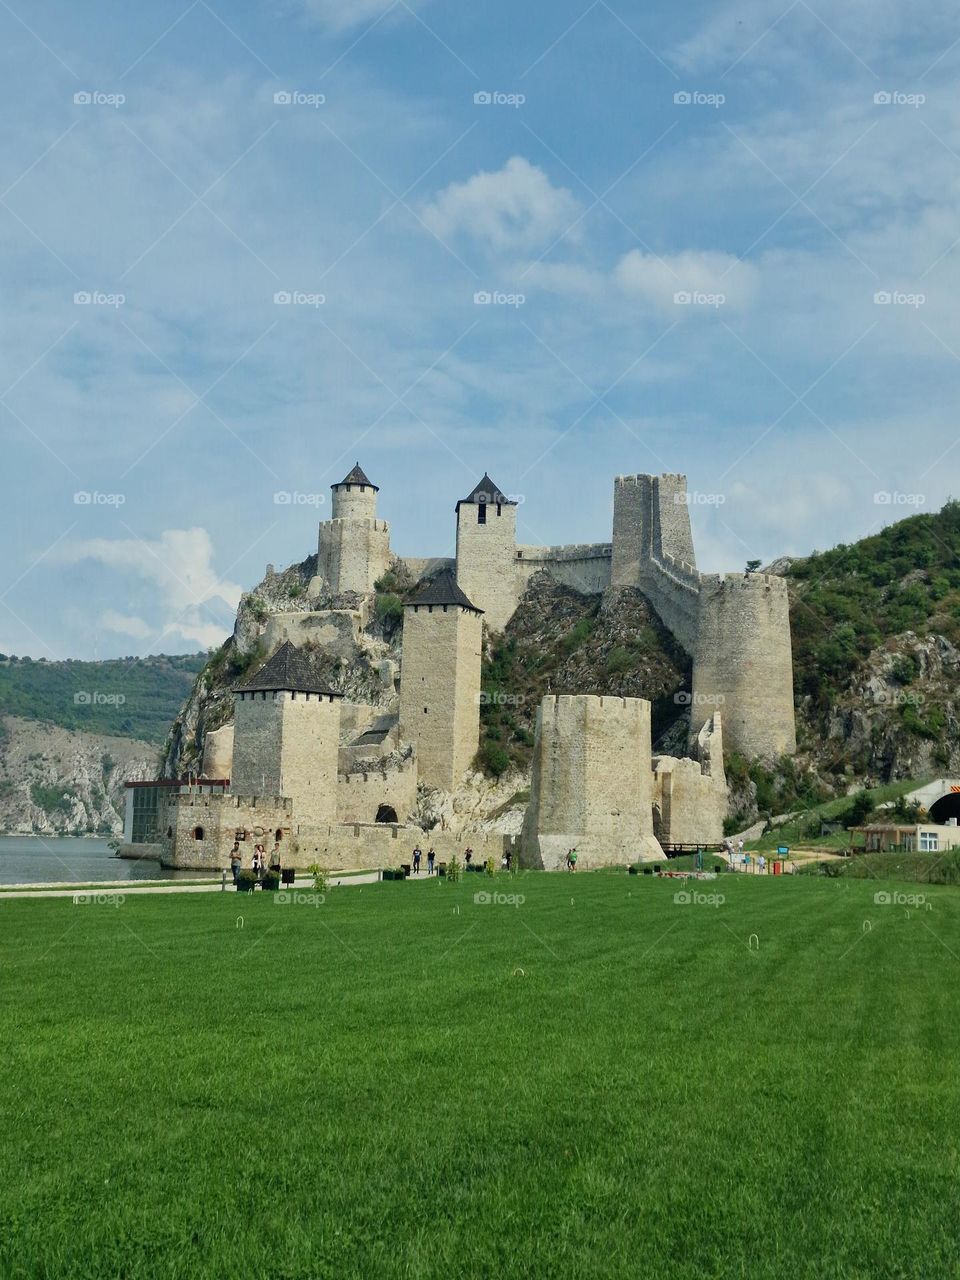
[440, 681]
[743, 663]
[287, 736]
[592, 785]
[487, 551]
[354, 546]
[735, 626]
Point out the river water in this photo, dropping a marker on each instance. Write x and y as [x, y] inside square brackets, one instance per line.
[45, 859]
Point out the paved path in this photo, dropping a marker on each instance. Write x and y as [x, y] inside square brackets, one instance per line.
[130, 888]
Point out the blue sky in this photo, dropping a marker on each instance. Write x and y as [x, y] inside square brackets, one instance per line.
[792, 171]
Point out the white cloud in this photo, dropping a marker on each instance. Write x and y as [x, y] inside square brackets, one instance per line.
[515, 208]
[178, 566]
[125, 625]
[660, 279]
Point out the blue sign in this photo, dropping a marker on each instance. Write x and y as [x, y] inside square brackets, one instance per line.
[782, 849]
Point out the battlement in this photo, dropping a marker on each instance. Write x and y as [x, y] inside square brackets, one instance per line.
[370, 522]
[264, 804]
[574, 551]
[746, 581]
[555, 703]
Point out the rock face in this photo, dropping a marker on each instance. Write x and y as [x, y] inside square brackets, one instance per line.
[356, 653]
[900, 717]
[62, 782]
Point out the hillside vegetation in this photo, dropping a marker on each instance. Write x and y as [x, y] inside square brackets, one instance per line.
[846, 602]
[123, 697]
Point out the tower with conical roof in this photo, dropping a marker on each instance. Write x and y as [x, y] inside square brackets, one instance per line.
[287, 736]
[440, 681]
[354, 546]
[487, 551]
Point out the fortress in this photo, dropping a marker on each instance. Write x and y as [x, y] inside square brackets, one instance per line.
[338, 782]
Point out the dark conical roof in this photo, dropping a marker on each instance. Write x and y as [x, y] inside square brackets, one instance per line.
[486, 491]
[443, 589]
[288, 669]
[357, 476]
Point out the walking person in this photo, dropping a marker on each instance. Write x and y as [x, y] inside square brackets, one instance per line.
[572, 860]
[236, 861]
[431, 856]
[468, 856]
[762, 864]
[417, 855]
[275, 858]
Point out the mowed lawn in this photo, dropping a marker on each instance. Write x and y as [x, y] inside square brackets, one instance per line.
[401, 1082]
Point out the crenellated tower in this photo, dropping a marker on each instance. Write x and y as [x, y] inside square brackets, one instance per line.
[354, 546]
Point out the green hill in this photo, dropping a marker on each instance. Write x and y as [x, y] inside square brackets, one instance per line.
[129, 697]
[845, 602]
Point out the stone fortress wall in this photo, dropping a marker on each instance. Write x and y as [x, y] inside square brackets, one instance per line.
[593, 784]
[360, 795]
[736, 626]
[592, 787]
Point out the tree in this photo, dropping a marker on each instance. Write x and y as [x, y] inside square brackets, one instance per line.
[753, 566]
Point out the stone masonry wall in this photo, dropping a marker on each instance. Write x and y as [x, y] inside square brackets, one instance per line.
[359, 795]
[440, 690]
[736, 627]
[584, 568]
[592, 787]
[337, 630]
[257, 724]
[287, 744]
[352, 554]
[221, 819]
[486, 554]
[743, 663]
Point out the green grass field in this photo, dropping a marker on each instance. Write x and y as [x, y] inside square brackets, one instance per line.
[403, 1083]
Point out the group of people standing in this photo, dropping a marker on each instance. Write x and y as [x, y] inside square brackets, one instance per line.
[259, 860]
[431, 860]
[506, 862]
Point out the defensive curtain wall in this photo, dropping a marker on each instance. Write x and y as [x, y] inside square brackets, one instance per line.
[735, 626]
[201, 830]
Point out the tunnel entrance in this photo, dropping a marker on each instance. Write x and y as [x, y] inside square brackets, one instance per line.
[947, 806]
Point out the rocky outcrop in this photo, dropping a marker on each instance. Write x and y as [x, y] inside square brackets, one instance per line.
[899, 718]
[356, 650]
[57, 781]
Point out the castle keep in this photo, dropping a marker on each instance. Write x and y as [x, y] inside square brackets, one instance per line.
[339, 780]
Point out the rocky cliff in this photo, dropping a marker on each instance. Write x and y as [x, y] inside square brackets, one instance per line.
[56, 781]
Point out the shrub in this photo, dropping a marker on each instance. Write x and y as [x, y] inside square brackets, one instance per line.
[618, 660]
[453, 869]
[320, 876]
[246, 881]
[389, 610]
[494, 759]
[271, 881]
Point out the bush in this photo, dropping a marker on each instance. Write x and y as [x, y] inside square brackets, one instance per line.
[320, 877]
[389, 610]
[453, 869]
[271, 882]
[246, 881]
[494, 759]
[619, 660]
